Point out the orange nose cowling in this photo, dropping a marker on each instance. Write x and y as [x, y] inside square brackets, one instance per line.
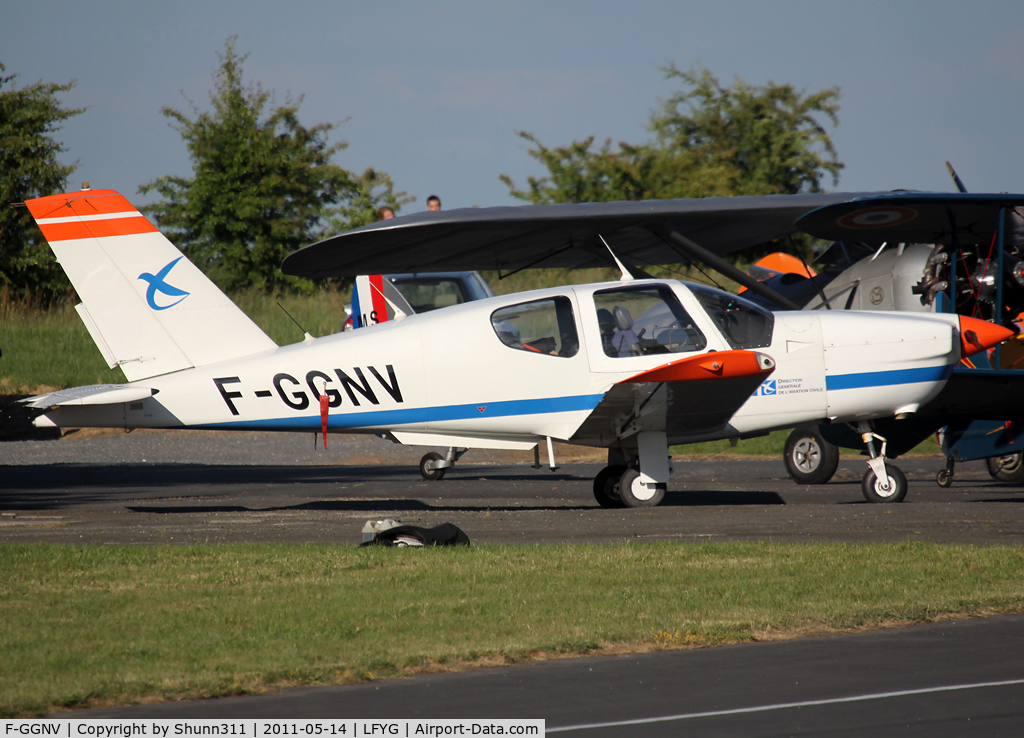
[978, 335]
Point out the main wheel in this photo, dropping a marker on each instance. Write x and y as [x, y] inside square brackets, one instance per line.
[1008, 468]
[873, 491]
[427, 469]
[606, 486]
[810, 459]
[634, 493]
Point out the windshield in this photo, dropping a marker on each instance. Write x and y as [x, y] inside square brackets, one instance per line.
[743, 324]
[427, 293]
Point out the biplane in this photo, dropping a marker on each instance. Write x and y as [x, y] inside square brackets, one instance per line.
[922, 252]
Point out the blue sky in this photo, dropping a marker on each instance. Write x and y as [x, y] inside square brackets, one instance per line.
[433, 93]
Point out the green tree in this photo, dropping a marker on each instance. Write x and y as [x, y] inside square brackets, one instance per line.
[29, 116]
[263, 185]
[709, 141]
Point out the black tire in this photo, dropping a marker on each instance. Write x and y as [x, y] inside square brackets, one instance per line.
[431, 475]
[810, 459]
[1008, 468]
[944, 479]
[606, 486]
[897, 482]
[628, 492]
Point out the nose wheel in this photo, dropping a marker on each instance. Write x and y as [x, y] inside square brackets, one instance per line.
[882, 482]
[894, 490]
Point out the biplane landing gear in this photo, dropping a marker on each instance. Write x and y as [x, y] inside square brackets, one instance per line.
[945, 477]
[433, 465]
[1008, 468]
[882, 482]
[810, 459]
[623, 484]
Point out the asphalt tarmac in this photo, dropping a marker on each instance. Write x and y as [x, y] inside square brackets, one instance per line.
[191, 486]
[161, 487]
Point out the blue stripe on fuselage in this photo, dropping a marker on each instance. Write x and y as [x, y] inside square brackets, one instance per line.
[883, 379]
[403, 416]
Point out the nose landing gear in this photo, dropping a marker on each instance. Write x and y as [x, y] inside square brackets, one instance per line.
[882, 482]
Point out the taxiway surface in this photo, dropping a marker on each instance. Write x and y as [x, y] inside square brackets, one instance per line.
[191, 486]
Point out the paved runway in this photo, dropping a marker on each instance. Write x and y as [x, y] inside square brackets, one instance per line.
[150, 488]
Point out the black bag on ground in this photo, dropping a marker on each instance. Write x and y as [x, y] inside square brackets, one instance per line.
[445, 534]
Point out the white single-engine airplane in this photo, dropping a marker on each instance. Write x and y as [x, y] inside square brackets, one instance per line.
[633, 365]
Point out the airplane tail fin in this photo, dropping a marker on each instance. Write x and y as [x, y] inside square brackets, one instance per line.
[149, 309]
[377, 300]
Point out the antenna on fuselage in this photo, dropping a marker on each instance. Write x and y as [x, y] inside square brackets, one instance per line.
[626, 276]
[307, 336]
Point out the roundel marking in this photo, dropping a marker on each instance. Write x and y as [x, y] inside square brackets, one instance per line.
[878, 217]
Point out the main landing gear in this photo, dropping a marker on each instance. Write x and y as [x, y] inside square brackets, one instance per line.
[433, 465]
[635, 479]
[810, 459]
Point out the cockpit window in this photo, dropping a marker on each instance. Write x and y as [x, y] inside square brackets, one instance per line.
[642, 320]
[744, 324]
[541, 326]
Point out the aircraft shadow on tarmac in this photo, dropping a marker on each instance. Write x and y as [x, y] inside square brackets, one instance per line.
[682, 499]
[40, 487]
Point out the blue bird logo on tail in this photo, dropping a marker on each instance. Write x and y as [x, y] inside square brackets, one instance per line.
[157, 284]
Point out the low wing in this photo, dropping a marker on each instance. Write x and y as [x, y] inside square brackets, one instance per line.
[692, 397]
[911, 217]
[568, 235]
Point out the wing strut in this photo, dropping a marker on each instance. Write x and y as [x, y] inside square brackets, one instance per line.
[696, 252]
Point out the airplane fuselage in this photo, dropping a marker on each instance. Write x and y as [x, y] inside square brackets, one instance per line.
[456, 377]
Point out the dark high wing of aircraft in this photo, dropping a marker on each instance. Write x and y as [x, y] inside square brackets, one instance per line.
[639, 234]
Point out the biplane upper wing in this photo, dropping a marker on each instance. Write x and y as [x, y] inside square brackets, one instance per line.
[566, 235]
[912, 217]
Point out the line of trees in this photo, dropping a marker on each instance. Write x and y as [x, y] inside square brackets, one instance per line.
[264, 185]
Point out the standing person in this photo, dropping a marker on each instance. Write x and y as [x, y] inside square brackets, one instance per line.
[385, 213]
[433, 203]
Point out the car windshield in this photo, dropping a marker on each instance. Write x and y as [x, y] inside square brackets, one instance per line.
[430, 293]
[743, 324]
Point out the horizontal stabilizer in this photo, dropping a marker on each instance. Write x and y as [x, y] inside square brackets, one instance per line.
[411, 438]
[93, 394]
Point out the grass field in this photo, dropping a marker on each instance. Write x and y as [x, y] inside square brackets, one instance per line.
[111, 625]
